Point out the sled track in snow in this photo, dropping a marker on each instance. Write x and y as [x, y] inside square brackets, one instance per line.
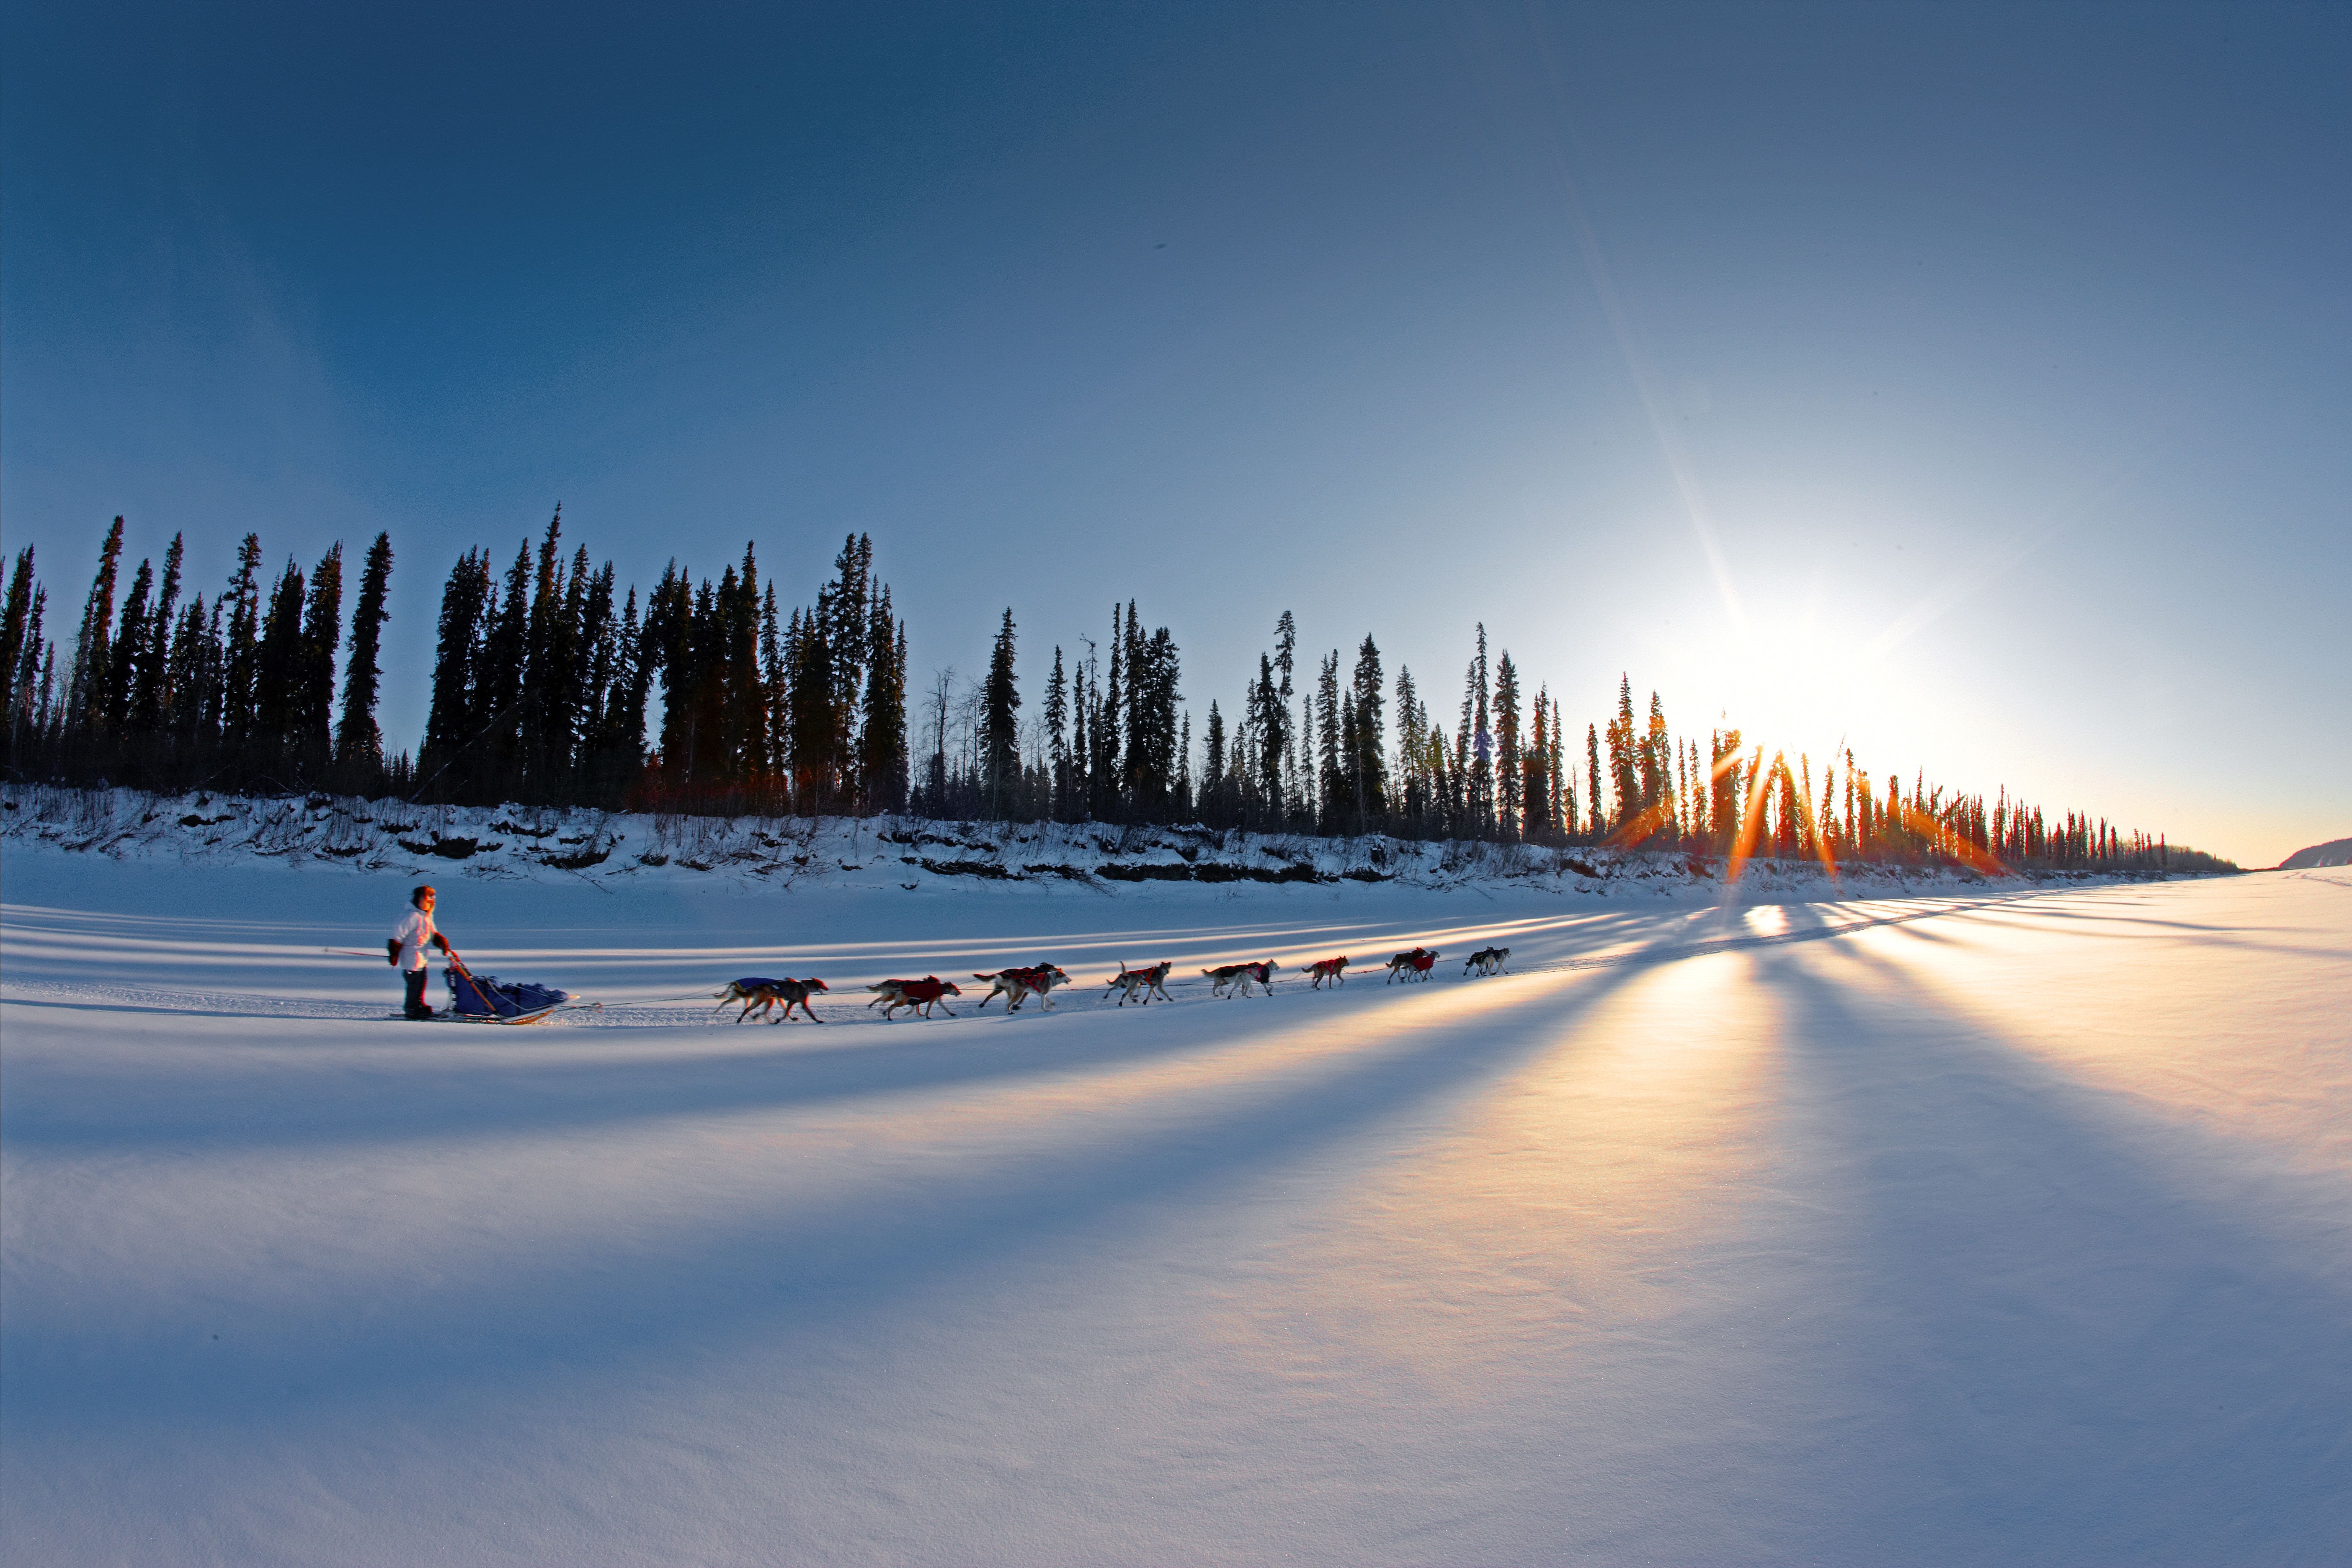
[209, 1003]
[848, 1006]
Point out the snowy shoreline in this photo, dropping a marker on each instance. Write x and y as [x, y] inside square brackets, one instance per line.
[905, 856]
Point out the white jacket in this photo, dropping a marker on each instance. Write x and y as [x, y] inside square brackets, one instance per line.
[413, 933]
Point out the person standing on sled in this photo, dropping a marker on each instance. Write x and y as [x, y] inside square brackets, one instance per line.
[406, 949]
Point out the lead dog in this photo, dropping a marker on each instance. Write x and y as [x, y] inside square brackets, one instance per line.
[1140, 986]
[923, 996]
[1487, 961]
[1331, 968]
[761, 995]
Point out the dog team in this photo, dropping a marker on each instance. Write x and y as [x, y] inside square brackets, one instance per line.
[764, 996]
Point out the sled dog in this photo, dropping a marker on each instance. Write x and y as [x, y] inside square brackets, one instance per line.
[1223, 975]
[921, 995]
[1140, 986]
[760, 995]
[1239, 976]
[1018, 985]
[1412, 965]
[1487, 961]
[1331, 968]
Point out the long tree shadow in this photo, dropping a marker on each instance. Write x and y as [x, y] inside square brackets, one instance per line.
[725, 1282]
[2092, 1360]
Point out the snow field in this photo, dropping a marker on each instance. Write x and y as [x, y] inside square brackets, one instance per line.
[1995, 1227]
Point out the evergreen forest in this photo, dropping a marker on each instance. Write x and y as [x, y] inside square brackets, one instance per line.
[553, 686]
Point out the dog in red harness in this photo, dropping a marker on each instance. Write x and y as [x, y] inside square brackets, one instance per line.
[1413, 965]
[1138, 986]
[1331, 968]
[921, 995]
[1018, 985]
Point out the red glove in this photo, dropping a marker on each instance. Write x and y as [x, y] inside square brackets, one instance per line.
[392, 950]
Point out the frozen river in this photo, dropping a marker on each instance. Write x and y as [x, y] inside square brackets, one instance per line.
[2006, 1227]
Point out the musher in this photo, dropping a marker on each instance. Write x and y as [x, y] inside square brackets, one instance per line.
[406, 949]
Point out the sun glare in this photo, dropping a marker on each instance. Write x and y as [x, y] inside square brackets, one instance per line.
[1789, 673]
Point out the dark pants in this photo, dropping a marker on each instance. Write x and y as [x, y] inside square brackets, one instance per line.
[414, 979]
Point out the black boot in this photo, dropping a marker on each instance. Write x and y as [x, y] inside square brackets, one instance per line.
[415, 1008]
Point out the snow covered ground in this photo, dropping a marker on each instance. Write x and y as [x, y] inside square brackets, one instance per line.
[2007, 1224]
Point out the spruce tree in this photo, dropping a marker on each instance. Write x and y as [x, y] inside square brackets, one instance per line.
[1535, 808]
[882, 731]
[811, 720]
[1153, 748]
[497, 698]
[1081, 734]
[93, 645]
[1412, 767]
[1109, 802]
[1328, 784]
[576, 689]
[542, 727]
[1000, 741]
[279, 670]
[1290, 731]
[191, 717]
[1269, 716]
[1509, 778]
[322, 632]
[14, 622]
[1623, 774]
[608, 747]
[1185, 804]
[740, 720]
[1058, 737]
[1212, 770]
[1370, 766]
[1473, 750]
[129, 651]
[1596, 821]
[447, 762]
[20, 654]
[625, 719]
[1657, 778]
[240, 610]
[1563, 780]
[151, 678]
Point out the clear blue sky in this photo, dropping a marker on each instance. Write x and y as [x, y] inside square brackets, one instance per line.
[1975, 385]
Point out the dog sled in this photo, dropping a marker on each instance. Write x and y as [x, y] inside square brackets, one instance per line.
[486, 999]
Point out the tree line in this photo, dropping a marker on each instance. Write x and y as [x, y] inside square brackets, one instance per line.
[239, 693]
[553, 686]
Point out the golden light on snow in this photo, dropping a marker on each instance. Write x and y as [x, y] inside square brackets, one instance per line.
[1556, 1188]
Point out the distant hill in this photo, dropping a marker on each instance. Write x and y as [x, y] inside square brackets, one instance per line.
[2337, 853]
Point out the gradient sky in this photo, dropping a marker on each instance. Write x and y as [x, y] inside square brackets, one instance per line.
[1974, 386]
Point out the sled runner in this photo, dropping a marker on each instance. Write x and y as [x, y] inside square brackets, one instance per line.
[542, 1016]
